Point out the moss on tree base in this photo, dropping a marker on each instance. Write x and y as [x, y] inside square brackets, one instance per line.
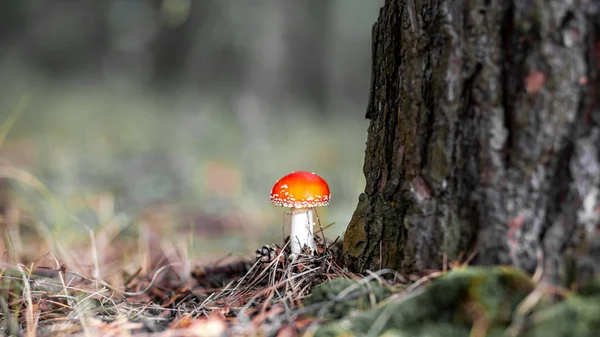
[471, 301]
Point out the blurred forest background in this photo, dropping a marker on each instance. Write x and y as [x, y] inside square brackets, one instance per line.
[177, 116]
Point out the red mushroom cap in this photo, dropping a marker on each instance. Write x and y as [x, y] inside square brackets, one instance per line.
[300, 190]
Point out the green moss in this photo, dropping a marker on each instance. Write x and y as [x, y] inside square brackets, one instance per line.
[409, 248]
[578, 316]
[442, 330]
[591, 287]
[447, 307]
[530, 21]
[453, 236]
[355, 237]
[323, 302]
[437, 168]
[452, 304]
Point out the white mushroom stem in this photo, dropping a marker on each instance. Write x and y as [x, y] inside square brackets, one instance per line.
[301, 231]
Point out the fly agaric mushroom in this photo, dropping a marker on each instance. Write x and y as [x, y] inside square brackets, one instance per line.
[301, 192]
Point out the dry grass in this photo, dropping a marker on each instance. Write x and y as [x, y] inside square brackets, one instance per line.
[112, 284]
[167, 296]
[253, 297]
[155, 289]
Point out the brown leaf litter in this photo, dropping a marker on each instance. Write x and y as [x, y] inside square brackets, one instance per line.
[251, 297]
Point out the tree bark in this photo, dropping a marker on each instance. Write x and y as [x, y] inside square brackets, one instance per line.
[484, 134]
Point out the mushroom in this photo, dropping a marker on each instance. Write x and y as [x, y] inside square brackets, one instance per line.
[301, 192]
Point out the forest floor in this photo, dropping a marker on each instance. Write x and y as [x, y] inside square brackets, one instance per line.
[261, 296]
[279, 294]
[154, 289]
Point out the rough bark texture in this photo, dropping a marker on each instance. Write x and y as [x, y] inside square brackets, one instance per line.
[485, 132]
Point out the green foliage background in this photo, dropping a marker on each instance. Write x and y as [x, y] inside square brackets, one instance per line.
[138, 112]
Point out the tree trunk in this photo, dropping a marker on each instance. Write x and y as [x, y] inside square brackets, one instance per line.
[484, 134]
